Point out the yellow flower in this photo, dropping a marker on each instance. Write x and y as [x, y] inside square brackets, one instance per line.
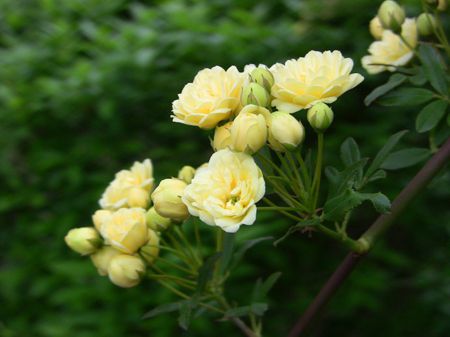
[130, 188]
[222, 137]
[225, 192]
[167, 199]
[150, 251]
[126, 229]
[99, 217]
[126, 271]
[84, 240]
[375, 27]
[391, 52]
[285, 132]
[317, 77]
[102, 258]
[212, 97]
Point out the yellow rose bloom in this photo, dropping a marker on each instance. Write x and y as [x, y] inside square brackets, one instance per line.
[130, 188]
[391, 52]
[317, 77]
[212, 97]
[126, 229]
[225, 192]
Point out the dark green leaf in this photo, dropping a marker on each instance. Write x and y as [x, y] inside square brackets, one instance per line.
[228, 244]
[433, 68]
[347, 178]
[259, 308]
[418, 79]
[184, 318]
[380, 174]
[269, 283]
[430, 116]
[299, 226]
[350, 152]
[393, 82]
[381, 203]
[206, 271]
[245, 247]
[162, 309]
[256, 308]
[406, 97]
[332, 174]
[384, 152]
[405, 158]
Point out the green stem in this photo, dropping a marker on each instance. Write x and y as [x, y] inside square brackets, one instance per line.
[304, 170]
[296, 173]
[289, 215]
[188, 246]
[354, 245]
[317, 171]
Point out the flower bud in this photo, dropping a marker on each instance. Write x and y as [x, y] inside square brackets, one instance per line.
[167, 199]
[391, 15]
[248, 132]
[100, 217]
[138, 197]
[102, 258]
[376, 29]
[84, 240]
[186, 174]
[157, 222]
[255, 94]
[263, 77]
[151, 250]
[285, 132]
[426, 24]
[222, 137]
[126, 271]
[320, 116]
[126, 230]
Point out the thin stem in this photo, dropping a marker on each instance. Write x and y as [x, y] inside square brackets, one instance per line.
[306, 176]
[345, 240]
[317, 171]
[296, 173]
[414, 188]
[176, 266]
[289, 215]
[188, 245]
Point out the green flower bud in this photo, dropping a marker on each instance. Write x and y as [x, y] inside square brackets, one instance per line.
[263, 77]
[255, 94]
[150, 251]
[126, 271]
[426, 24]
[102, 258]
[391, 15]
[157, 222]
[285, 132]
[167, 199]
[320, 116]
[85, 240]
[186, 174]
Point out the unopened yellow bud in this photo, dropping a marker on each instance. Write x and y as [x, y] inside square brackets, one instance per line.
[126, 271]
[102, 258]
[186, 174]
[255, 94]
[320, 117]
[285, 132]
[263, 77]
[167, 199]
[376, 29]
[426, 24]
[248, 132]
[100, 217]
[138, 197]
[84, 240]
[222, 137]
[157, 222]
[391, 15]
[150, 251]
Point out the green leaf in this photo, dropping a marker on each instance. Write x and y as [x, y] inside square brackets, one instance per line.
[299, 226]
[347, 178]
[245, 247]
[407, 97]
[418, 79]
[332, 174]
[350, 152]
[380, 174]
[393, 82]
[162, 309]
[430, 115]
[227, 252]
[205, 272]
[384, 152]
[261, 289]
[433, 68]
[255, 308]
[335, 208]
[184, 319]
[405, 158]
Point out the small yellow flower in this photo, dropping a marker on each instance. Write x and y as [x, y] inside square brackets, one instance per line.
[83, 240]
[391, 52]
[317, 77]
[126, 271]
[130, 188]
[222, 137]
[102, 258]
[376, 29]
[285, 132]
[225, 192]
[212, 97]
[167, 199]
[150, 251]
[126, 229]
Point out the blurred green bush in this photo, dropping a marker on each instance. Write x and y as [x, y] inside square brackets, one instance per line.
[86, 88]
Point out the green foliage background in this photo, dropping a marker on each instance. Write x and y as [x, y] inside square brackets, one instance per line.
[86, 88]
